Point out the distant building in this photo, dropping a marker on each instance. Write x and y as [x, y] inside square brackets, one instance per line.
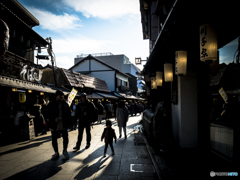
[119, 62]
[116, 80]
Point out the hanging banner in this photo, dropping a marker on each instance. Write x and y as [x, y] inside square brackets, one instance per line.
[223, 94]
[71, 96]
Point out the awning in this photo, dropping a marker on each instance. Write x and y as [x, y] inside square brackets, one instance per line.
[118, 95]
[17, 83]
[107, 96]
[129, 96]
[94, 96]
[65, 92]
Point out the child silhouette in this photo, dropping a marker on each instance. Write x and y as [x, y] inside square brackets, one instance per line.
[108, 134]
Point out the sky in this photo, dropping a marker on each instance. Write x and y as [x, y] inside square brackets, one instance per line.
[89, 26]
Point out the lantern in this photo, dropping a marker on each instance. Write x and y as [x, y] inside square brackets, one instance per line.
[208, 43]
[41, 93]
[181, 62]
[168, 73]
[29, 91]
[14, 89]
[159, 78]
[153, 83]
[22, 97]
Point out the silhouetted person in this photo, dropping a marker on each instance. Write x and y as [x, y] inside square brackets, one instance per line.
[108, 135]
[59, 121]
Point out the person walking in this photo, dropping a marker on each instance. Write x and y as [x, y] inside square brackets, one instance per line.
[115, 109]
[108, 135]
[85, 112]
[108, 108]
[73, 110]
[59, 115]
[43, 115]
[100, 111]
[122, 118]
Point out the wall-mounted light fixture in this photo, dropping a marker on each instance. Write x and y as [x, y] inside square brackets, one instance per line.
[181, 62]
[153, 83]
[159, 77]
[14, 89]
[29, 91]
[41, 93]
[208, 43]
[168, 72]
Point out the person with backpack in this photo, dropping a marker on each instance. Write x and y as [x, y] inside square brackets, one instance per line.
[100, 111]
[87, 113]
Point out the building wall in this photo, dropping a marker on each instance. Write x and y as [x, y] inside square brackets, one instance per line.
[98, 66]
[107, 76]
[114, 61]
[83, 67]
[184, 114]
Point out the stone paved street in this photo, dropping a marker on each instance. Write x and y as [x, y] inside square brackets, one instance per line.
[32, 159]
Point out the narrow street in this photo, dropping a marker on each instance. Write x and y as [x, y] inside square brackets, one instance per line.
[32, 159]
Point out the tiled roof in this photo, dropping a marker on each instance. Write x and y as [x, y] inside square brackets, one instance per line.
[78, 80]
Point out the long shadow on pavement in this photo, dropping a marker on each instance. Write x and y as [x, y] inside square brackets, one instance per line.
[44, 170]
[32, 145]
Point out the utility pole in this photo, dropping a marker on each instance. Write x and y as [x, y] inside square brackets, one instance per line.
[50, 53]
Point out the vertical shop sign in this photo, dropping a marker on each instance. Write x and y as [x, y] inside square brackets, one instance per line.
[71, 96]
[208, 43]
[223, 94]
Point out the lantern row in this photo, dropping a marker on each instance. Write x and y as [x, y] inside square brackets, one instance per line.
[208, 52]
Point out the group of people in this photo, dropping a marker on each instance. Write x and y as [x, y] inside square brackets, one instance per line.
[61, 117]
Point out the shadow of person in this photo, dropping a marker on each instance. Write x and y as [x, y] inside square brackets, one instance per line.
[87, 171]
[43, 170]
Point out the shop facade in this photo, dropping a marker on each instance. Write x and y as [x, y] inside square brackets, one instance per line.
[190, 97]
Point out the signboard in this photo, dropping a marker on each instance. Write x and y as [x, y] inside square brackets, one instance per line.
[137, 60]
[22, 97]
[20, 69]
[71, 96]
[223, 94]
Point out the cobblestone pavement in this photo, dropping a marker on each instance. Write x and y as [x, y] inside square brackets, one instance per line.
[32, 159]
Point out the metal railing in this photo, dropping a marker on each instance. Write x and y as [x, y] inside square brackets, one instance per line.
[95, 54]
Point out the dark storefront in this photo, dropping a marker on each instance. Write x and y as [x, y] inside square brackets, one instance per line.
[196, 115]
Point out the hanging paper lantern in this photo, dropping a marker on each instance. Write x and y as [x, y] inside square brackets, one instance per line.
[168, 73]
[208, 43]
[153, 83]
[159, 78]
[181, 62]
